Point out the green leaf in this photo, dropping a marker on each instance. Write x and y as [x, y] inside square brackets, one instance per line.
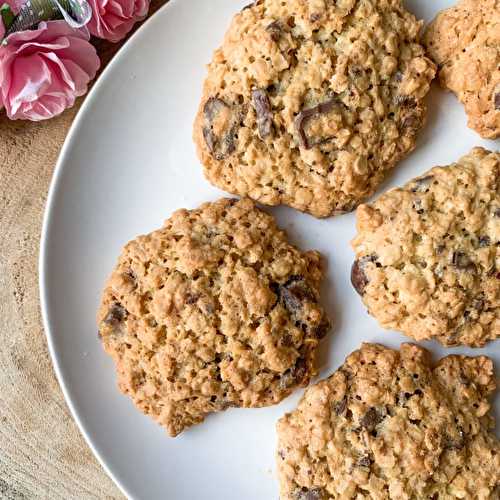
[7, 15]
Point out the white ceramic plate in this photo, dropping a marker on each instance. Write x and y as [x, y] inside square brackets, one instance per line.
[127, 164]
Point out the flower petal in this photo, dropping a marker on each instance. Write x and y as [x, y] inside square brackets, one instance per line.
[31, 77]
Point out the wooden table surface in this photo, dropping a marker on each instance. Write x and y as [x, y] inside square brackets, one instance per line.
[42, 454]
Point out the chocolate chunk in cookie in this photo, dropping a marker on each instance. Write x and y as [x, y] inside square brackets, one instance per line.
[263, 110]
[219, 127]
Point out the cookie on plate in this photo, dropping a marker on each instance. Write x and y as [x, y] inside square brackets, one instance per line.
[309, 104]
[428, 254]
[215, 309]
[392, 425]
[465, 42]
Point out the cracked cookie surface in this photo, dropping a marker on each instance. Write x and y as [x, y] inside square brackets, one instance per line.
[428, 254]
[465, 43]
[392, 425]
[215, 309]
[309, 104]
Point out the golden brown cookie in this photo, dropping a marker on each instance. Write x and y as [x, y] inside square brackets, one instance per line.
[215, 309]
[465, 43]
[393, 425]
[428, 254]
[309, 104]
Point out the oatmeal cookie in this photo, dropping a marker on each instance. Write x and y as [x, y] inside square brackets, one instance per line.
[428, 255]
[309, 104]
[215, 309]
[465, 42]
[392, 425]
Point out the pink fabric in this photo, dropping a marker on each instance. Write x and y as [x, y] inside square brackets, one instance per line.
[113, 19]
[42, 71]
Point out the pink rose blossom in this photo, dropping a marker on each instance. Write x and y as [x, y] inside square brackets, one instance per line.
[113, 19]
[15, 6]
[42, 71]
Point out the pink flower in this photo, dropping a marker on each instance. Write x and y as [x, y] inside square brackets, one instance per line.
[113, 19]
[42, 71]
[15, 6]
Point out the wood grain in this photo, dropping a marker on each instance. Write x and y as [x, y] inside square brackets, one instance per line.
[42, 454]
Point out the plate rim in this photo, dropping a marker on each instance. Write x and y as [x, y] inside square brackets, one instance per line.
[47, 223]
